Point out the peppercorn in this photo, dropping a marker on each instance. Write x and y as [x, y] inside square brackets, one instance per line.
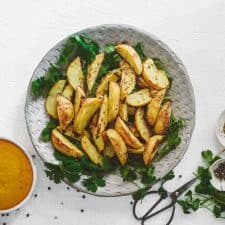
[220, 171]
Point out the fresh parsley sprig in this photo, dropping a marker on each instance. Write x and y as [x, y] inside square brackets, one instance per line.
[173, 138]
[47, 131]
[204, 194]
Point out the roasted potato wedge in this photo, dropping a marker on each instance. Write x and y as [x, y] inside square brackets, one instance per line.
[139, 98]
[93, 70]
[141, 82]
[151, 148]
[103, 116]
[131, 56]
[104, 85]
[87, 110]
[91, 150]
[63, 145]
[126, 134]
[109, 151]
[154, 106]
[123, 111]
[163, 119]
[153, 77]
[114, 101]
[98, 140]
[133, 130]
[68, 92]
[128, 80]
[136, 150]
[141, 124]
[74, 74]
[65, 111]
[50, 103]
[118, 144]
[68, 132]
[79, 97]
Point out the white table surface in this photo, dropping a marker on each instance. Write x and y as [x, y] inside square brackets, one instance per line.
[193, 29]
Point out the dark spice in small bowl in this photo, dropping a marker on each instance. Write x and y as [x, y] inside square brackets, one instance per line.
[220, 171]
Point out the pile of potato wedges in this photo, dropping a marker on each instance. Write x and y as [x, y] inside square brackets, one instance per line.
[126, 115]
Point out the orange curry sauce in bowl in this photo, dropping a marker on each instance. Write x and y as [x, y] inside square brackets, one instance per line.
[17, 176]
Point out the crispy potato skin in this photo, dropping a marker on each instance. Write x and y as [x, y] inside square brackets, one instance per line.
[98, 140]
[79, 97]
[163, 119]
[128, 80]
[68, 92]
[133, 130]
[74, 74]
[141, 82]
[114, 101]
[68, 132]
[65, 111]
[151, 148]
[87, 110]
[139, 98]
[110, 76]
[154, 106]
[123, 111]
[126, 134]
[63, 145]
[131, 56]
[153, 77]
[118, 144]
[136, 150]
[50, 103]
[141, 124]
[93, 70]
[103, 116]
[91, 150]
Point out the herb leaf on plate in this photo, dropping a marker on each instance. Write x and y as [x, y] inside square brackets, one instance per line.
[47, 131]
[173, 138]
[139, 47]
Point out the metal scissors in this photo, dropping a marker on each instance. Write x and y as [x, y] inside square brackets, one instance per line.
[173, 196]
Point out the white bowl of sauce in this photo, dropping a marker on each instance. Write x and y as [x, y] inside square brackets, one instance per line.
[18, 176]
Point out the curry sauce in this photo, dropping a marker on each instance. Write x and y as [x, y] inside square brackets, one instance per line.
[16, 175]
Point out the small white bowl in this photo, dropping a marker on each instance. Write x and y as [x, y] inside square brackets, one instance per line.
[216, 182]
[219, 129]
[34, 172]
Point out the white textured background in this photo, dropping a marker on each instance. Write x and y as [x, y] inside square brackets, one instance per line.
[195, 30]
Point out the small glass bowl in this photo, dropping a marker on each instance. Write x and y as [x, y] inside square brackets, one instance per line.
[215, 181]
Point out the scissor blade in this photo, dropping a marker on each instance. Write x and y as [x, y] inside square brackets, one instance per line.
[183, 188]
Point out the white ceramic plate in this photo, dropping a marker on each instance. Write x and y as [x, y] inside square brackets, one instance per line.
[181, 93]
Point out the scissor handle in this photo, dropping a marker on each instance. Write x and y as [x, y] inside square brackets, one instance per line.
[150, 210]
[170, 219]
[149, 213]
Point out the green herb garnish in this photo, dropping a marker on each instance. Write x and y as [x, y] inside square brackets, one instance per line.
[92, 183]
[77, 45]
[47, 131]
[173, 138]
[204, 194]
[139, 47]
[159, 64]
